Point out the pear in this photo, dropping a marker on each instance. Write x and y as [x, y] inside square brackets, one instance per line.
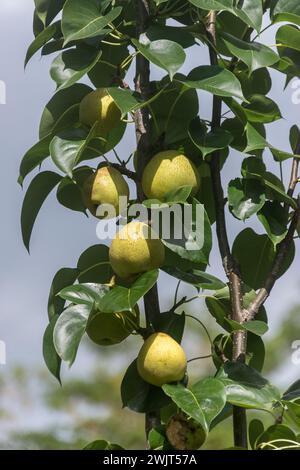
[99, 106]
[166, 172]
[161, 360]
[104, 187]
[136, 249]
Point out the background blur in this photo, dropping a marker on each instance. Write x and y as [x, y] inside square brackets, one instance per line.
[34, 411]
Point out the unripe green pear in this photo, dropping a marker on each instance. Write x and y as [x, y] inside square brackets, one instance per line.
[106, 329]
[104, 187]
[136, 249]
[161, 360]
[99, 106]
[184, 433]
[166, 172]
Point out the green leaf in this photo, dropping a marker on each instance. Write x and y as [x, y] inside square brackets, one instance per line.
[293, 411]
[138, 395]
[208, 142]
[202, 402]
[170, 323]
[172, 33]
[256, 327]
[256, 428]
[253, 54]
[81, 20]
[274, 219]
[262, 109]
[63, 109]
[69, 191]
[102, 75]
[63, 278]
[172, 113]
[293, 392]
[46, 10]
[87, 294]
[288, 36]
[94, 265]
[40, 40]
[286, 10]
[197, 278]
[122, 299]
[164, 53]
[214, 79]
[246, 197]
[34, 157]
[294, 139]
[71, 65]
[157, 439]
[102, 445]
[255, 269]
[51, 358]
[69, 330]
[279, 433]
[246, 388]
[191, 238]
[38, 190]
[249, 11]
[68, 147]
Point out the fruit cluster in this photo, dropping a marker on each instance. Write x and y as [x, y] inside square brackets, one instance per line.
[136, 248]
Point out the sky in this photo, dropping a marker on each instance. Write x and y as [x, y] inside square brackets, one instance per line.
[60, 235]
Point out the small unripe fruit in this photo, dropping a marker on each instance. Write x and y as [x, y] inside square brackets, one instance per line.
[98, 106]
[104, 187]
[184, 433]
[161, 360]
[136, 249]
[106, 329]
[166, 172]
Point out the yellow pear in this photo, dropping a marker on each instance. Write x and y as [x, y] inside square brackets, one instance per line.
[99, 106]
[104, 187]
[166, 172]
[161, 360]
[107, 329]
[136, 249]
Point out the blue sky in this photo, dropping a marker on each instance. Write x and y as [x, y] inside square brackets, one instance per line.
[60, 235]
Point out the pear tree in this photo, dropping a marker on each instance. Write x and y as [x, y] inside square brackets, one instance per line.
[190, 82]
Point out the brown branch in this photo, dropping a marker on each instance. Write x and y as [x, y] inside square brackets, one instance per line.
[126, 172]
[142, 130]
[230, 266]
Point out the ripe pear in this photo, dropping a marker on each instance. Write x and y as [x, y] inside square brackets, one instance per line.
[99, 106]
[136, 249]
[166, 172]
[184, 433]
[161, 360]
[106, 329]
[104, 187]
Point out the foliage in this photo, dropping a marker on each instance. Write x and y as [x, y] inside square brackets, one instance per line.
[101, 39]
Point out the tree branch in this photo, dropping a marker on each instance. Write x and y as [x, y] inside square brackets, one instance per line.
[142, 130]
[230, 266]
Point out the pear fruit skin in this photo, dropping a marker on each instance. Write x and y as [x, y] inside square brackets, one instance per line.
[106, 329]
[99, 106]
[161, 360]
[104, 187]
[134, 250]
[167, 171]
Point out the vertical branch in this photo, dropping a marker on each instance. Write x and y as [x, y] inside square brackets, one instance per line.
[230, 266]
[142, 131]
